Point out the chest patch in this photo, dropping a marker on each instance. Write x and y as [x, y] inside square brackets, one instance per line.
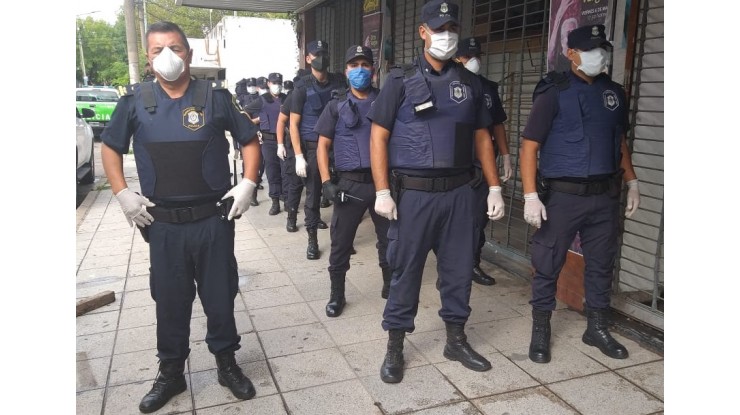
[611, 102]
[192, 119]
[458, 92]
[489, 101]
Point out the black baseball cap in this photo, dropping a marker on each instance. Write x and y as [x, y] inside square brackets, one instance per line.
[358, 51]
[275, 78]
[588, 37]
[262, 82]
[288, 84]
[437, 13]
[317, 46]
[251, 81]
[468, 47]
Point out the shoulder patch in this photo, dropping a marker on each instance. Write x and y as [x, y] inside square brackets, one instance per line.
[125, 90]
[218, 84]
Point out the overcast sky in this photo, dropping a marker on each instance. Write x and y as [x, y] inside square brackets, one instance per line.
[107, 9]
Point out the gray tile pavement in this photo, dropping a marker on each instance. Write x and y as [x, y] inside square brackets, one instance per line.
[303, 362]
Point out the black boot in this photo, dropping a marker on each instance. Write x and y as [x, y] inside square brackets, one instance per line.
[312, 252]
[457, 348]
[386, 282]
[322, 225]
[336, 298]
[291, 224]
[480, 277]
[253, 201]
[325, 203]
[170, 382]
[231, 376]
[275, 208]
[539, 346]
[392, 369]
[597, 334]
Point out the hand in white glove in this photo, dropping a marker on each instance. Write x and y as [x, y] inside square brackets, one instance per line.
[281, 153]
[300, 165]
[633, 198]
[134, 207]
[384, 205]
[506, 161]
[496, 207]
[242, 194]
[534, 210]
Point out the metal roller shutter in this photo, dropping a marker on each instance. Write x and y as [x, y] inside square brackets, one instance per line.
[340, 24]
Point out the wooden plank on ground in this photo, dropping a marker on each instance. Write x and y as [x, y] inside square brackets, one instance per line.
[95, 301]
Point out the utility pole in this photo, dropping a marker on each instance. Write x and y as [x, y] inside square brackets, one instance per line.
[131, 44]
[141, 6]
[79, 42]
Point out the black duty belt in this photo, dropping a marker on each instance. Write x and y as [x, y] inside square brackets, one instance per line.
[434, 184]
[311, 145]
[356, 176]
[580, 189]
[268, 136]
[183, 214]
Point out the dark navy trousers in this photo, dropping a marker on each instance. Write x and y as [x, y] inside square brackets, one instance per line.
[481, 220]
[596, 217]
[312, 181]
[273, 168]
[344, 222]
[439, 222]
[185, 259]
[294, 183]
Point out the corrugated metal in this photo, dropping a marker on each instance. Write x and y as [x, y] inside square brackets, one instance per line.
[406, 19]
[640, 276]
[272, 6]
[339, 22]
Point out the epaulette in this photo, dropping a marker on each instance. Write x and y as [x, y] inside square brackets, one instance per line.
[399, 71]
[340, 94]
[125, 90]
[218, 84]
[553, 78]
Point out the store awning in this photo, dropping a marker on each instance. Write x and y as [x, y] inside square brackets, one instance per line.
[268, 6]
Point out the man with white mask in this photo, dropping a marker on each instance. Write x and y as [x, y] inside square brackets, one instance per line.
[429, 121]
[186, 205]
[578, 125]
[468, 53]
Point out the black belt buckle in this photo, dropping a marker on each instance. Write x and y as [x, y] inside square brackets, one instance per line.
[224, 207]
[182, 215]
[439, 184]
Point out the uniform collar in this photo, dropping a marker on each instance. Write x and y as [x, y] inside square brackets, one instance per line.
[428, 69]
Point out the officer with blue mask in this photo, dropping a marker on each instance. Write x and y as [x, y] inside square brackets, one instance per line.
[267, 109]
[428, 123]
[186, 206]
[312, 93]
[577, 125]
[344, 126]
[468, 53]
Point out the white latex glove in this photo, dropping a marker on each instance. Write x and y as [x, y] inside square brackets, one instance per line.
[134, 207]
[384, 205]
[496, 207]
[506, 161]
[300, 165]
[534, 210]
[281, 153]
[633, 198]
[242, 194]
[259, 136]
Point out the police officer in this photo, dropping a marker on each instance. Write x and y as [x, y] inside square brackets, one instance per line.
[577, 124]
[251, 92]
[427, 123]
[307, 102]
[267, 109]
[262, 87]
[178, 125]
[245, 95]
[344, 125]
[468, 53]
[287, 86]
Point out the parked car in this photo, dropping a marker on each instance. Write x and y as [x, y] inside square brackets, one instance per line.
[85, 147]
[102, 100]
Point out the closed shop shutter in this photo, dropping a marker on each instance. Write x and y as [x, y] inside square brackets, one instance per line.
[340, 24]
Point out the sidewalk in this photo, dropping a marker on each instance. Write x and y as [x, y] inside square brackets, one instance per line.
[303, 362]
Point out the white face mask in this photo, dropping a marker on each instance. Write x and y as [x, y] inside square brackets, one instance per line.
[263, 91]
[168, 65]
[444, 45]
[473, 65]
[593, 62]
[251, 89]
[275, 89]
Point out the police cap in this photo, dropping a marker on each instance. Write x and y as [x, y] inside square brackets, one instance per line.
[275, 78]
[288, 85]
[317, 46]
[251, 81]
[468, 47]
[437, 13]
[358, 51]
[588, 37]
[262, 82]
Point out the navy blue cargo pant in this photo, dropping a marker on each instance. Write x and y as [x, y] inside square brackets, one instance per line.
[596, 217]
[312, 181]
[272, 167]
[439, 222]
[185, 258]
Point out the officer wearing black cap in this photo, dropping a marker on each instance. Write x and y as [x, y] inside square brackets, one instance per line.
[577, 124]
[468, 53]
[428, 122]
[251, 92]
[308, 100]
[178, 126]
[292, 183]
[267, 109]
[287, 86]
[344, 125]
[262, 87]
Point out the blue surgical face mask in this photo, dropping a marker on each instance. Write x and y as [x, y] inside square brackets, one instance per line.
[360, 78]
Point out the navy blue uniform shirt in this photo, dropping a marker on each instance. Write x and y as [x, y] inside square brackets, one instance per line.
[299, 94]
[490, 88]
